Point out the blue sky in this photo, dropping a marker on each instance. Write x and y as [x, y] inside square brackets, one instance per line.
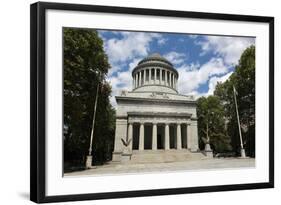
[201, 60]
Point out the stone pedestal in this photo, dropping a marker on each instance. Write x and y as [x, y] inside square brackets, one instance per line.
[193, 149]
[208, 151]
[243, 154]
[89, 160]
[192, 131]
[127, 151]
[116, 156]
[126, 157]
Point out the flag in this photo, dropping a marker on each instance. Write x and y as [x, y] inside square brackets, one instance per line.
[235, 91]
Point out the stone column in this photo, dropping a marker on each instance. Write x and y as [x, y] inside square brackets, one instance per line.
[154, 136]
[160, 76]
[133, 82]
[166, 82]
[139, 79]
[130, 136]
[144, 76]
[149, 80]
[170, 79]
[141, 137]
[154, 76]
[179, 136]
[147, 77]
[167, 136]
[174, 81]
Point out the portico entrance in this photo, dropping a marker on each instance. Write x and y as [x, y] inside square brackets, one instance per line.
[171, 133]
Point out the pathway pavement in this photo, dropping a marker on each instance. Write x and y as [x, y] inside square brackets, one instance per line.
[203, 164]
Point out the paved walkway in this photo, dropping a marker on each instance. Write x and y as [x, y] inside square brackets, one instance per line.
[222, 163]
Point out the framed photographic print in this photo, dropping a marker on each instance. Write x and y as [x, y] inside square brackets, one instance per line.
[129, 102]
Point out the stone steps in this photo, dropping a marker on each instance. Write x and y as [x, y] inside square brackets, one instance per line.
[162, 156]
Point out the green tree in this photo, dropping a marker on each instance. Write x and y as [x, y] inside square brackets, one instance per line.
[243, 79]
[211, 123]
[83, 59]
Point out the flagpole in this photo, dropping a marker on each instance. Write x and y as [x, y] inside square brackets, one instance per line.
[90, 157]
[243, 155]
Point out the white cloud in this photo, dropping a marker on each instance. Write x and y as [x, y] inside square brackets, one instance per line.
[215, 80]
[192, 66]
[175, 58]
[130, 46]
[122, 80]
[191, 78]
[134, 63]
[229, 48]
[161, 41]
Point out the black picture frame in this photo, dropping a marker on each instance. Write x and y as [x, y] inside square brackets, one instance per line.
[38, 101]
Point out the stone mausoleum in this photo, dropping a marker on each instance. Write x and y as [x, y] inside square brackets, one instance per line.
[155, 123]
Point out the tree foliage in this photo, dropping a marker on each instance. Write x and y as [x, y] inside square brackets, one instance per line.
[212, 122]
[243, 79]
[84, 58]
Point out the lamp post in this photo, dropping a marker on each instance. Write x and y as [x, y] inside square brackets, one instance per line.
[90, 157]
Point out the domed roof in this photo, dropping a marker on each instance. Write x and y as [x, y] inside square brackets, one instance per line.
[155, 59]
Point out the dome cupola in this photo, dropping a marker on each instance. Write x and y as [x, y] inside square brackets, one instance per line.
[155, 74]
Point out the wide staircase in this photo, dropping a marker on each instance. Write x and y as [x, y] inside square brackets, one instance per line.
[164, 156]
